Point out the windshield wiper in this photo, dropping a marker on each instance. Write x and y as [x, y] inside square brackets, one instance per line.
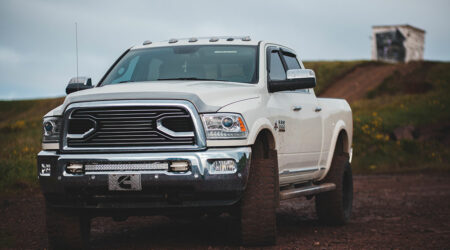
[187, 78]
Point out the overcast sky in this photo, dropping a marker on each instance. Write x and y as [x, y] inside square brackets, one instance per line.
[37, 38]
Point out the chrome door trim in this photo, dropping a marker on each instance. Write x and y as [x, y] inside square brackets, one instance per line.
[298, 171]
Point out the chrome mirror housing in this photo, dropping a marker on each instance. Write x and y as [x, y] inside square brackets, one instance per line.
[300, 73]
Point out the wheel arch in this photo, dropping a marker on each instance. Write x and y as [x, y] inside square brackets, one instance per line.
[266, 138]
[341, 143]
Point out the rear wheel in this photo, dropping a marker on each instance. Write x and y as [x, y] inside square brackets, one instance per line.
[67, 231]
[335, 207]
[259, 203]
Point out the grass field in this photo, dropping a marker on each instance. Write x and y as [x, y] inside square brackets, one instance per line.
[416, 100]
[416, 97]
[20, 130]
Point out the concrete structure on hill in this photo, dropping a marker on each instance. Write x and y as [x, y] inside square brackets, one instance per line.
[397, 43]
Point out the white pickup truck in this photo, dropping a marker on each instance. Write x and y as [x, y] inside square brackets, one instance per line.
[195, 127]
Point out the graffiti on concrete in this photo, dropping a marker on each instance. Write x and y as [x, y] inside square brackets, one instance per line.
[390, 46]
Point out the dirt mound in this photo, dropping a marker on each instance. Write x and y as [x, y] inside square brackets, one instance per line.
[357, 83]
[375, 79]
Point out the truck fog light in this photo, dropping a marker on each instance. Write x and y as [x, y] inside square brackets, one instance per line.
[223, 167]
[74, 168]
[45, 169]
[179, 166]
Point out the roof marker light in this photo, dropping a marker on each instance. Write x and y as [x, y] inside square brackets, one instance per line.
[147, 42]
[193, 40]
[230, 39]
[173, 40]
[246, 38]
[214, 39]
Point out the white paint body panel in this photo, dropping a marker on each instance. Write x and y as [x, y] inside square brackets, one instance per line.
[304, 150]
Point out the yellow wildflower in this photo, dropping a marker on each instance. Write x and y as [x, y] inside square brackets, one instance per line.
[379, 136]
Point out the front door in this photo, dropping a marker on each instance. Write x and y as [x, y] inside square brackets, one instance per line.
[297, 122]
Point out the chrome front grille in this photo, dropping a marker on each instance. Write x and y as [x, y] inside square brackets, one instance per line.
[132, 125]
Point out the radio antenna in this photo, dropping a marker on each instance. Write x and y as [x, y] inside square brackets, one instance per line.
[76, 45]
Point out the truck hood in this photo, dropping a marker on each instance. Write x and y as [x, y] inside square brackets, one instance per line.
[207, 96]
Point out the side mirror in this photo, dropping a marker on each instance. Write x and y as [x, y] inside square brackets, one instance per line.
[78, 83]
[295, 79]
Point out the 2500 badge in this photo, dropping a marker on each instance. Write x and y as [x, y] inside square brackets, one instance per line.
[280, 125]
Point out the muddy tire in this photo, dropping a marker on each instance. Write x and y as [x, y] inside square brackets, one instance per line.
[67, 232]
[335, 207]
[259, 203]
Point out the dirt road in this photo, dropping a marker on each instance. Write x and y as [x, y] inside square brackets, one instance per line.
[395, 212]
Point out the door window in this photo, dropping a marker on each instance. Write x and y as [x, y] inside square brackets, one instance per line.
[291, 61]
[276, 69]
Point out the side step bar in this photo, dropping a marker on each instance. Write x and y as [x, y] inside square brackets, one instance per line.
[308, 190]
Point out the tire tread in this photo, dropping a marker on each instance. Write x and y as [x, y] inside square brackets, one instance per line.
[329, 205]
[259, 203]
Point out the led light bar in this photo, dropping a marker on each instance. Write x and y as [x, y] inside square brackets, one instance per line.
[163, 166]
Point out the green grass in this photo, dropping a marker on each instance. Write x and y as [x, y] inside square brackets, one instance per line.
[409, 78]
[20, 131]
[427, 111]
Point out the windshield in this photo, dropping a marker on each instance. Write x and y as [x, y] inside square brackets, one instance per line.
[193, 62]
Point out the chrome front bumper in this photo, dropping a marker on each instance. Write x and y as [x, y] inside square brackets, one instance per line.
[194, 188]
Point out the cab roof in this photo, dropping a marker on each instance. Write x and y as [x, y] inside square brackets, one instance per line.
[218, 40]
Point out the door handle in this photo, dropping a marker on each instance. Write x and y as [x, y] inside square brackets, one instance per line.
[318, 109]
[297, 108]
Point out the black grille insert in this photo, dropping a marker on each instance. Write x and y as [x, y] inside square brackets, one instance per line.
[178, 124]
[131, 126]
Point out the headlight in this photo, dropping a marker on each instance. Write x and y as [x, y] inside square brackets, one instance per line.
[224, 126]
[51, 127]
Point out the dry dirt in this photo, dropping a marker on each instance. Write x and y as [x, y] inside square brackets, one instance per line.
[390, 212]
[355, 85]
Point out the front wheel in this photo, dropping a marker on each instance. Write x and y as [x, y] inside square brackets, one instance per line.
[335, 207]
[259, 203]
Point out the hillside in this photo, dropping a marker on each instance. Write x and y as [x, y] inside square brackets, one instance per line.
[401, 119]
[356, 84]
[401, 115]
